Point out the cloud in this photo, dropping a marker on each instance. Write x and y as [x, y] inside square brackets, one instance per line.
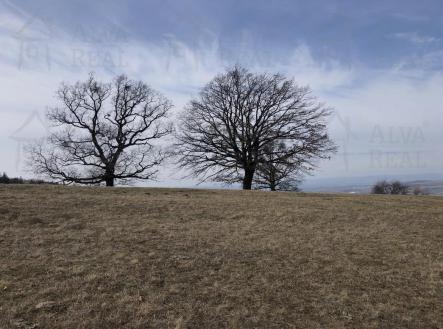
[415, 38]
[405, 97]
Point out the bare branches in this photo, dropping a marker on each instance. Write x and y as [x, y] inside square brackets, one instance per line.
[225, 131]
[106, 132]
[279, 172]
[109, 131]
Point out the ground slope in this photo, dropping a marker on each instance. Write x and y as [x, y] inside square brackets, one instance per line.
[75, 257]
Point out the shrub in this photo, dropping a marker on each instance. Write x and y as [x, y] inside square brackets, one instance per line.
[419, 190]
[4, 179]
[398, 187]
[381, 187]
[385, 187]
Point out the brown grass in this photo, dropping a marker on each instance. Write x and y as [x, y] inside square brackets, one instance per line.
[156, 258]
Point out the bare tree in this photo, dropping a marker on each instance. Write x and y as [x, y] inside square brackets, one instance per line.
[104, 132]
[225, 131]
[277, 172]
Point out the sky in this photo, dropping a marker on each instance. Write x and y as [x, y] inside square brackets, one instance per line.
[378, 64]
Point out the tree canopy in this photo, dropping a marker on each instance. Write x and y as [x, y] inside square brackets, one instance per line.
[103, 132]
[225, 132]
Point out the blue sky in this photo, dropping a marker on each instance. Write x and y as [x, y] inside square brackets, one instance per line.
[378, 63]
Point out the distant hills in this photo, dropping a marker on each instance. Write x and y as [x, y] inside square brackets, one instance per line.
[433, 183]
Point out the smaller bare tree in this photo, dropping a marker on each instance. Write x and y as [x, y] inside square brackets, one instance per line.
[106, 132]
[279, 172]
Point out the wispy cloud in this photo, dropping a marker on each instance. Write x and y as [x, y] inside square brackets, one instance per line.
[415, 38]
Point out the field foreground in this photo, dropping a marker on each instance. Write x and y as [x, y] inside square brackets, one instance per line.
[74, 257]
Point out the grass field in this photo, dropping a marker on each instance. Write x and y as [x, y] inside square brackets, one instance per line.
[76, 257]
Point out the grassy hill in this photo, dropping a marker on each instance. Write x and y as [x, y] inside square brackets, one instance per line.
[76, 257]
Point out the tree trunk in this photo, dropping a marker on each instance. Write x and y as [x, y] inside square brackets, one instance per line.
[247, 179]
[272, 186]
[272, 178]
[109, 181]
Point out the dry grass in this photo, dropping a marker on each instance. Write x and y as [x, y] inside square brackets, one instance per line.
[158, 258]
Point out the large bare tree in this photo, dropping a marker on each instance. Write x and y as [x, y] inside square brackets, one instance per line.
[225, 130]
[104, 132]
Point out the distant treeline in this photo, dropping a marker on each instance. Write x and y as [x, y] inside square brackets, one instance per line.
[5, 179]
